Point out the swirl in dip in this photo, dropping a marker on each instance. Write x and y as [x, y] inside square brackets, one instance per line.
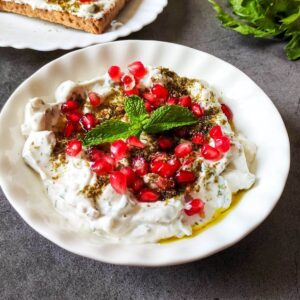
[138, 185]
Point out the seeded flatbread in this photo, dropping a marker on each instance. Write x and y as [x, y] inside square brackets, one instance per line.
[65, 18]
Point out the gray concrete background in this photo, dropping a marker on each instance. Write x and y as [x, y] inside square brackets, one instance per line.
[264, 265]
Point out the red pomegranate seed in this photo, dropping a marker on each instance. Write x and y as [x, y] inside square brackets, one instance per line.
[222, 144]
[185, 177]
[69, 129]
[119, 149]
[74, 116]
[73, 148]
[134, 91]
[95, 154]
[130, 175]
[95, 99]
[183, 149]
[115, 73]
[135, 142]
[165, 183]
[128, 82]
[172, 101]
[160, 91]
[185, 101]
[227, 111]
[88, 121]
[155, 166]
[69, 105]
[109, 159]
[148, 96]
[182, 132]
[137, 184]
[198, 139]
[118, 181]
[197, 110]
[137, 69]
[166, 170]
[101, 167]
[148, 195]
[210, 153]
[216, 132]
[165, 143]
[175, 163]
[195, 206]
[188, 161]
[148, 106]
[140, 165]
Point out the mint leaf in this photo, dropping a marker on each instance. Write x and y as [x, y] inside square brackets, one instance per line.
[168, 117]
[109, 131]
[135, 108]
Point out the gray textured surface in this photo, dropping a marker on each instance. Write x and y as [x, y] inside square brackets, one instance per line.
[264, 265]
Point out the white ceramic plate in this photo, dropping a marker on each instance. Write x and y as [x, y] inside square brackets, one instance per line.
[23, 32]
[254, 114]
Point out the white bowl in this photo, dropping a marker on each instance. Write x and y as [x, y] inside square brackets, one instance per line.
[22, 32]
[254, 114]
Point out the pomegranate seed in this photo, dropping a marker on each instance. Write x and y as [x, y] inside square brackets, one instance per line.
[134, 91]
[128, 82]
[185, 101]
[118, 181]
[165, 183]
[175, 163]
[183, 149]
[69, 129]
[95, 154]
[155, 166]
[194, 207]
[160, 91]
[140, 166]
[130, 175]
[166, 169]
[222, 144]
[88, 121]
[148, 96]
[135, 142]
[164, 143]
[148, 195]
[227, 111]
[69, 105]
[172, 101]
[182, 132]
[115, 73]
[137, 69]
[197, 110]
[74, 116]
[119, 149]
[137, 184]
[185, 177]
[95, 99]
[198, 139]
[148, 106]
[210, 153]
[189, 161]
[109, 159]
[73, 148]
[216, 132]
[101, 167]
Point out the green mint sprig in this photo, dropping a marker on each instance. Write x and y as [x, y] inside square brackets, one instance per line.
[162, 119]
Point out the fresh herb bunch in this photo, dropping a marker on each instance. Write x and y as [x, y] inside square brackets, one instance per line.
[265, 19]
[162, 119]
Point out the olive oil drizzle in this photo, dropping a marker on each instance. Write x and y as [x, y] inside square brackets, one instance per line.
[219, 215]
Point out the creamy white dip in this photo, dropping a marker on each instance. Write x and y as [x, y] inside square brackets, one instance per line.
[121, 217]
[94, 9]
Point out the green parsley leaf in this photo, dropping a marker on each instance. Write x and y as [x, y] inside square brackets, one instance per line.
[109, 131]
[135, 109]
[168, 117]
[264, 19]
